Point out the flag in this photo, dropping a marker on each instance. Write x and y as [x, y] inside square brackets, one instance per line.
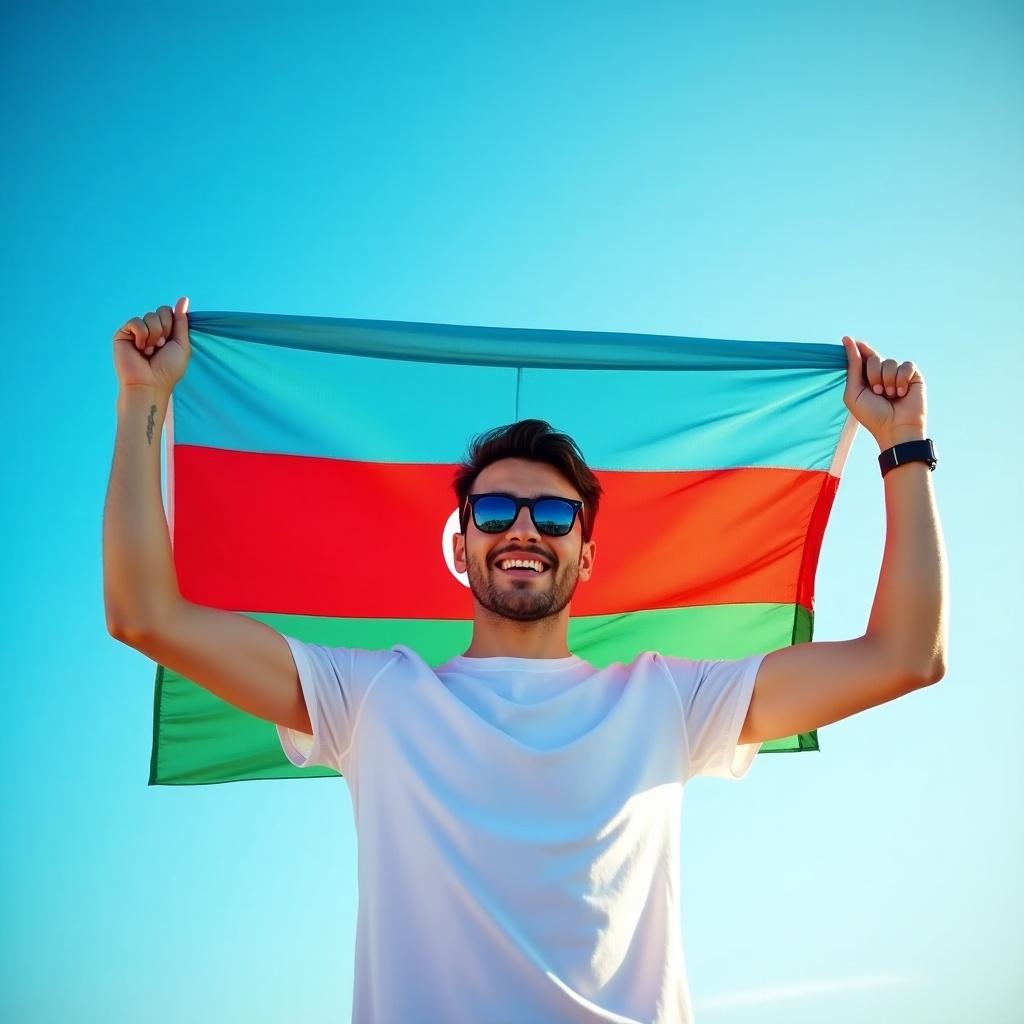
[309, 486]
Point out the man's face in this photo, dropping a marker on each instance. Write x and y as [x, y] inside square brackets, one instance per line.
[523, 594]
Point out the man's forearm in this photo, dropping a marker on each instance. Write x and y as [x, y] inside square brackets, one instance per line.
[139, 580]
[909, 614]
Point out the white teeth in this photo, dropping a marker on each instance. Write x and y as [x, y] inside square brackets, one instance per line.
[521, 563]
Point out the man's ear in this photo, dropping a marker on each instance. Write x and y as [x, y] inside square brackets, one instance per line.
[587, 553]
[459, 550]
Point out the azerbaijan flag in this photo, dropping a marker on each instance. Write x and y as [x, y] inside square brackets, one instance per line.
[309, 485]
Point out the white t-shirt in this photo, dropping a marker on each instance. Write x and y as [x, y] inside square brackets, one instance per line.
[518, 826]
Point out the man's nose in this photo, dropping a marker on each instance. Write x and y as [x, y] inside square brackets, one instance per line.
[522, 525]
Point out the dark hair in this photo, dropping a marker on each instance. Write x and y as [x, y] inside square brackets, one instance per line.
[538, 441]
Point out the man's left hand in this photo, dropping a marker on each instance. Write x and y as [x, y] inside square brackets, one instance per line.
[887, 398]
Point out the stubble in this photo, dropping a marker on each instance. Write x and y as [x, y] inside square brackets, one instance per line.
[525, 602]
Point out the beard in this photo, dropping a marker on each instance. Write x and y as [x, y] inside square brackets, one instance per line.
[523, 603]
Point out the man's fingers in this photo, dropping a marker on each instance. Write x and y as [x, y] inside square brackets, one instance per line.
[155, 331]
[154, 326]
[152, 331]
[882, 376]
[873, 373]
[166, 315]
[904, 375]
[134, 331]
[854, 370]
[181, 322]
[889, 368]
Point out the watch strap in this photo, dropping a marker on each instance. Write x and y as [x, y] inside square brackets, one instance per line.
[908, 451]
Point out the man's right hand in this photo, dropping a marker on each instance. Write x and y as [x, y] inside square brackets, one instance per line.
[153, 350]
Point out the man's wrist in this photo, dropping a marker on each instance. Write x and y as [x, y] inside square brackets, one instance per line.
[898, 435]
[136, 400]
[142, 393]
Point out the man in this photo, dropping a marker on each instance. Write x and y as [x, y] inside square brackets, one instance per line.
[517, 809]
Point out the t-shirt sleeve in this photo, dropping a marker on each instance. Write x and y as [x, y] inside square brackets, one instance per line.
[715, 697]
[334, 685]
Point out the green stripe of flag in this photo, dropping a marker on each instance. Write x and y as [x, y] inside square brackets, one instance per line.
[200, 739]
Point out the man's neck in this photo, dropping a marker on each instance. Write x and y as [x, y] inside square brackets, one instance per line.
[497, 637]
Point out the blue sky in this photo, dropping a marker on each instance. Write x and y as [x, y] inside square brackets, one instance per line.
[790, 172]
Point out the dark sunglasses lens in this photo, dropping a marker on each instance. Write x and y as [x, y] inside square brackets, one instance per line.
[554, 517]
[493, 514]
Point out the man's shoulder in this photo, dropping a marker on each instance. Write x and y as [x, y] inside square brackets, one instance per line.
[364, 662]
[395, 659]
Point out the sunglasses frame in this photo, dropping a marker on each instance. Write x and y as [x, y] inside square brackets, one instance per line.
[520, 503]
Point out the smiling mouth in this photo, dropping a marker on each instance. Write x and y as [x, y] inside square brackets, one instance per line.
[521, 567]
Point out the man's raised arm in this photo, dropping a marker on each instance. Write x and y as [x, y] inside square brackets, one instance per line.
[244, 662]
[809, 685]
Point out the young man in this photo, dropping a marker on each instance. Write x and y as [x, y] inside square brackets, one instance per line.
[517, 809]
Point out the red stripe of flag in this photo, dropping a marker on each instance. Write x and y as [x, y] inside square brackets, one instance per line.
[316, 536]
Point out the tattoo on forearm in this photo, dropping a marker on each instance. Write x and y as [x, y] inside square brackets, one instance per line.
[150, 423]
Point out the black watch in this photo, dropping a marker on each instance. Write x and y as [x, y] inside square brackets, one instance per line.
[909, 451]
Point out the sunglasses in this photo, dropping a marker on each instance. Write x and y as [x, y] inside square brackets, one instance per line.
[495, 513]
